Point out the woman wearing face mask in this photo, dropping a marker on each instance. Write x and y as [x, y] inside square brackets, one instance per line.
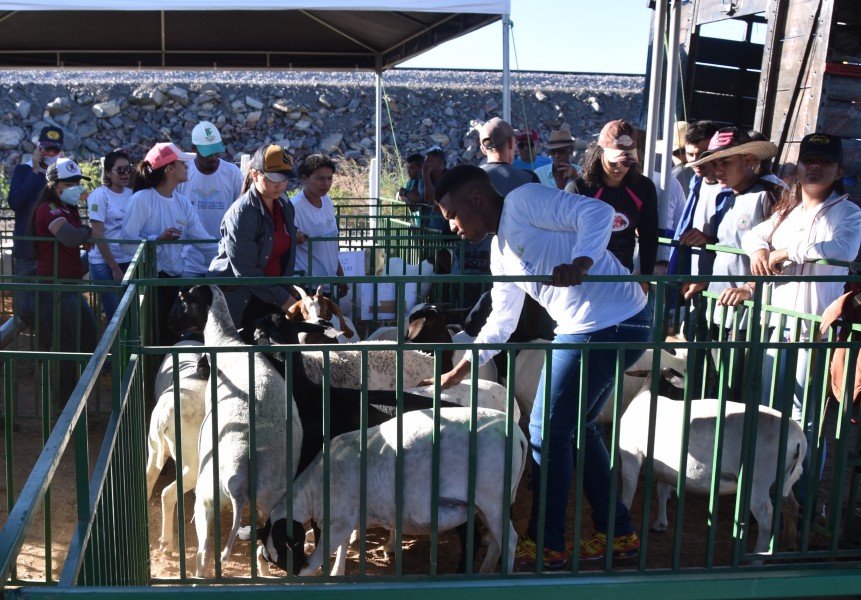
[107, 208]
[156, 212]
[259, 238]
[59, 257]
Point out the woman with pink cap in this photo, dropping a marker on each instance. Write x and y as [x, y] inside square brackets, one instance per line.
[157, 212]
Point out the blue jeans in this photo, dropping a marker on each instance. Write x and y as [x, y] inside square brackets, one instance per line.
[564, 421]
[796, 409]
[110, 300]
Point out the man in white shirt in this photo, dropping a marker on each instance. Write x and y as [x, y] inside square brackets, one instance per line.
[213, 184]
[545, 232]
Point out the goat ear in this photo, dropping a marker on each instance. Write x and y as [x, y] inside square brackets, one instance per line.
[295, 311]
[415, 328]
[319, 291]
[302, 293]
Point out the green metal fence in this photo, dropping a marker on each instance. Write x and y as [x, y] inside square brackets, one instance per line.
[108, 542]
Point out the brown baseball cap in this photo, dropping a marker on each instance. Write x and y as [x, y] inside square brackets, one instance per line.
[619, 140]
[273, 159]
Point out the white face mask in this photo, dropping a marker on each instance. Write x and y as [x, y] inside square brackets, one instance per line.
[49, 160]
[72, 195]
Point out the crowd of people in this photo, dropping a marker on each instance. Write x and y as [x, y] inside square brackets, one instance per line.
[519, 213]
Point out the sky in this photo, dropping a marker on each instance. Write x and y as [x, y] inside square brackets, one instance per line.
[609, 36]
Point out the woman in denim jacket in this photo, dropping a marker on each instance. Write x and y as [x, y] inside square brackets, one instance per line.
[259, 238]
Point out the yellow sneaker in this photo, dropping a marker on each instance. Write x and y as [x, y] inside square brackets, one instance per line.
[525, 556]
[595, 546]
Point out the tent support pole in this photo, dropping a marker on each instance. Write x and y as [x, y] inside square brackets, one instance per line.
[506, 68]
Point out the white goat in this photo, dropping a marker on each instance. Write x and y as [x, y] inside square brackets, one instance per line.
[489, 395]
[204, 307]
[633, 439]
[343, 513]
[161, 440]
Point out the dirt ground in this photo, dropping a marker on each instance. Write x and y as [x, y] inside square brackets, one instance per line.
[33, 564]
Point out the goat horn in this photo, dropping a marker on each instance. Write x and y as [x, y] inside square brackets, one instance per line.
[302, 293]
[319, 291]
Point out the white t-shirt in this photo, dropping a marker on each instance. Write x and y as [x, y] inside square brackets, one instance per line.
[210, 195]
[316, 222]
[109, 208]
[539, 229]
[149, 214]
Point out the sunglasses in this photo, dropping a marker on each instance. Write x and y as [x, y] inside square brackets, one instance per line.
[50, 150]
[123, 170]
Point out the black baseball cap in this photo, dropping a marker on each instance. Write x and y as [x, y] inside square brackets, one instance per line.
[821, 144]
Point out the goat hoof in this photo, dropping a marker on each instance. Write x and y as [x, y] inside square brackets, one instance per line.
[659, 527]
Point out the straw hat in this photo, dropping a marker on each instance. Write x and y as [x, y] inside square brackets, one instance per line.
[730, 141]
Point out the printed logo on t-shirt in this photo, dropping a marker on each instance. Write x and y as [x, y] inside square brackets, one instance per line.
[620, 222]
[519, 250]
[94, 207]
[527, 267]
[207, 199]
[744, 222]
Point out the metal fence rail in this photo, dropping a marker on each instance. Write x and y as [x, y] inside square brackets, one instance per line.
[111, 543]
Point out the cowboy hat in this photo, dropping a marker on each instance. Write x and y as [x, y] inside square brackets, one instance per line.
[560, 139]
[730, 141]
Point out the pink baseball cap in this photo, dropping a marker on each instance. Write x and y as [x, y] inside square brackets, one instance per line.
[165, 153]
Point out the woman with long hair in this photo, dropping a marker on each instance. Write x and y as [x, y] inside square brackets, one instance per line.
[259, 238]
[107, 208]
[58, 257]
[611, 173]
[813, 220]
[157, 212]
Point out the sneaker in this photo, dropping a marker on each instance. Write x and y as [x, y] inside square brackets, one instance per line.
[525, 556]
[594, 547]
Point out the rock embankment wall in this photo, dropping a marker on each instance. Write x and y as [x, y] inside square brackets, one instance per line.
[331, 112]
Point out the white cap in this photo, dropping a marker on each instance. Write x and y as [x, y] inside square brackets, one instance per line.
[206, 137]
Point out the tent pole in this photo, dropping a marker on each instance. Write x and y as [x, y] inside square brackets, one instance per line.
[670, 93]
[657, 71]
[506, 68]
[376, 167]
